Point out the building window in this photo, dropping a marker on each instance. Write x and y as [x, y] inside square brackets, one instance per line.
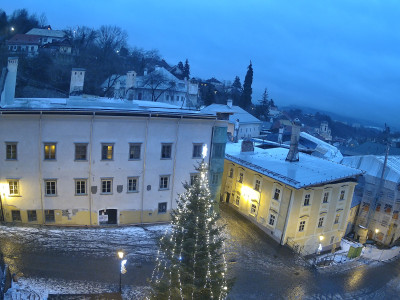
[272, 219]
[16, 215]
[164, 182]
[326, 197]
[237, 200]
[277, 194]
[80, 151]
[337, 218]
[197, 150]
[32, 217]
[320, 222]
[13, 187]
[106, 186]
[332, 238]
[342, 193]
[193, 178]
[302, 225]
[307, 199]
[134, 151]
[214, 178]
[50, 187]
[49, 215]
[240, 177]
[257, 185]
[49, 151]
[253, 209]
[107, 151]
[219, 150]
[11, 151]
[133, 184]
[80, 187]
[166, 150]
[231, 173]
[162, 207]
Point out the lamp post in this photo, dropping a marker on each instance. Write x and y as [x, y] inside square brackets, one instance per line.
[121, 256]
[376, 232]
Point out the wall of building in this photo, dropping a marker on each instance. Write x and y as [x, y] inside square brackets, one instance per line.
[30, 132]
[289, 209]
[249, 130]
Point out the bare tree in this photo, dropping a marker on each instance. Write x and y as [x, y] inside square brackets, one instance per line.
[158, 83]
[111, 39]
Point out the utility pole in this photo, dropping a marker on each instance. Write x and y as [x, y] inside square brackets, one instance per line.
[372, 209]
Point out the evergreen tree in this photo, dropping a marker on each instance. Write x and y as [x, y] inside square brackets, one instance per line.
[186, 70]
[245, 102]
[236, 91]
[180, 66]
[191, 262]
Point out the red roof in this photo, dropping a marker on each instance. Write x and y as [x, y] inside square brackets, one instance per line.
[24, 39]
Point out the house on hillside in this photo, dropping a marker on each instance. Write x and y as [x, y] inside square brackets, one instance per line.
[246, 124]
[87, 160]
[380, 199]
[159, 85]
[296, 198]
[24, 44]
[47, 35]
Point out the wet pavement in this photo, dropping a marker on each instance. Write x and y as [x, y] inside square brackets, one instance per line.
[261, 267]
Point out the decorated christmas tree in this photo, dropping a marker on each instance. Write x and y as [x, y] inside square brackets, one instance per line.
[191, 261]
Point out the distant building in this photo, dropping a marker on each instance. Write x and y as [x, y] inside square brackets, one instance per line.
[324, 131]
[379, 210]
[47, 35]
[248, 126]
[24, 44]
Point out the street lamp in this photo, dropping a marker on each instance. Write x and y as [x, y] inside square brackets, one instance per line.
[121, 256]
[376, 232]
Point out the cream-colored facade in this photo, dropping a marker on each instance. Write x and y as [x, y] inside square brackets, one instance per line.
[302, 217]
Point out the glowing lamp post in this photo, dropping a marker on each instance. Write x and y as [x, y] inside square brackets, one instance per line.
[122, 270]
[376, 232]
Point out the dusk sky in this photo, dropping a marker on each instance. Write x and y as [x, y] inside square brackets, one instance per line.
[339, 56]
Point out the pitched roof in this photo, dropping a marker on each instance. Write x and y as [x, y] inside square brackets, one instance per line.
[307, 172]
[46, 32]
[235, 111]
[24, 39]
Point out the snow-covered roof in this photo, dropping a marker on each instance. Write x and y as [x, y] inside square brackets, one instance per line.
[87, 103]
[308, 171]
[47, 32]
[323, 149]
[235, 111]
[372, 165]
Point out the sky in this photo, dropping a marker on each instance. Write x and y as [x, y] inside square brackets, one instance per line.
[340, 56]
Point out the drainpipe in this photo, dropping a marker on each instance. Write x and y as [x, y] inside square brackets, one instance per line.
[174, 167]
[144, 167]
[282, 242]
[40, 167]
[1, 210]
[90, 169]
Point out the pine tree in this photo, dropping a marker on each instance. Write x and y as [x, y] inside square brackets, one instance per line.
[236, 91]
[191, 262]
[247, 90]
[186, 69]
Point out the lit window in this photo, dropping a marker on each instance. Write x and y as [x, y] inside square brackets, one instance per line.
[13, 187]
[11, 151]
[49, 151]
[80, 187]
[106, 186]
[162, 207]
[50, 187]
[272, 219]
[193, 178]
[257, 185]
[134, 151]
[133, 184]
[164, 182]
[107, 151]
[80, 151]
[277, 194]
[326, 197]
[302, 225]
[166, 150]
[337, 218]
[307, 199]
[342, 193]
[197, 150]
[320, 222]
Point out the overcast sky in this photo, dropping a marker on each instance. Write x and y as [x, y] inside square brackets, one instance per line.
[339, 56]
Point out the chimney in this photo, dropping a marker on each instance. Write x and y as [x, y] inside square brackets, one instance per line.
[8, 94]
[293, 154]
[247, 146]
[77, 81]
[229, 103]
[280, 135]
[130, 84]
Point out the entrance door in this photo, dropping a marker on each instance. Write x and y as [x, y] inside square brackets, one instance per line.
[228, 195]
[107, 216]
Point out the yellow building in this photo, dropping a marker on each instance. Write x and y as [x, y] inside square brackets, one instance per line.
[296, 198]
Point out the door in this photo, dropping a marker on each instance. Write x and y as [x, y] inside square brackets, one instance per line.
[107, 216]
